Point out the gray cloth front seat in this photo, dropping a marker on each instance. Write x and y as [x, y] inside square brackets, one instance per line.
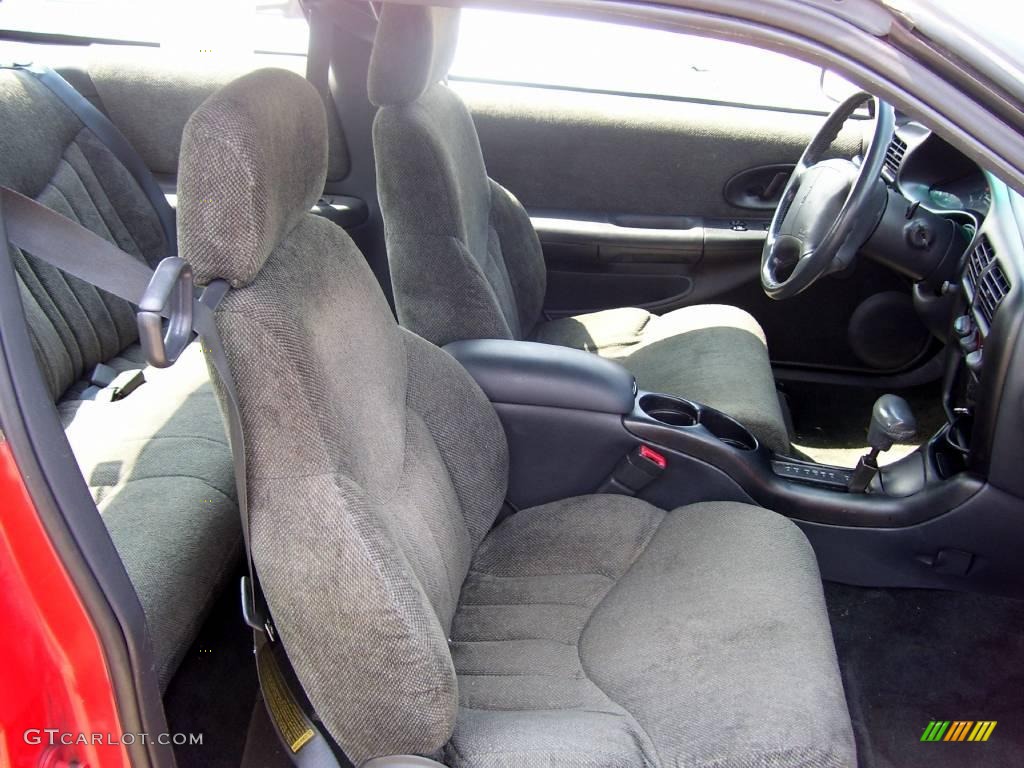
[594, 631]
[466, 263]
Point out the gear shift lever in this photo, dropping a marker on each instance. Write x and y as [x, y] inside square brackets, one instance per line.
[891, 422]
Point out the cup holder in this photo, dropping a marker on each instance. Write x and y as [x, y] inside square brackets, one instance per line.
[668, 410]
[682, 413]
[727, 430]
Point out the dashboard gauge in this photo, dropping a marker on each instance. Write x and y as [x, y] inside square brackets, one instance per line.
[980, 200]
[940, 198]
[939, 176]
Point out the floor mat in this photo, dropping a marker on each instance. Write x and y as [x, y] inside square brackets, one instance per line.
[215, 688]
[830, 422]
[912, 656]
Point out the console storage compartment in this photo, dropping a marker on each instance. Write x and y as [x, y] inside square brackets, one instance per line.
[528, 373]
[562, 410]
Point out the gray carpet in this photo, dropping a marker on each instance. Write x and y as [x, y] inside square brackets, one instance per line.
[214, 689]
[912, 656]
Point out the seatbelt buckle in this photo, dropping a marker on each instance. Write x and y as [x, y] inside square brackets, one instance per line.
[638, 469]
[107, 385]
[257, 620]
[170, 293]
[123, 385]
[102, 376]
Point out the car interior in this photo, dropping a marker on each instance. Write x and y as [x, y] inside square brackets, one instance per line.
[581, 427]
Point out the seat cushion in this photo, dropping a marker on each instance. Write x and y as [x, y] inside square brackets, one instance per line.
[602, 631]
[710, 353]
[158, 465]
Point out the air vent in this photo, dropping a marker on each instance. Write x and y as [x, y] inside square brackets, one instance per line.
[894, 156]
[981, 258]
[987, 279]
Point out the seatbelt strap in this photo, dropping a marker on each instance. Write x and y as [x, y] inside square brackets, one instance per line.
[321, 40]
[165, 292]
[114, 140]
[356, 18]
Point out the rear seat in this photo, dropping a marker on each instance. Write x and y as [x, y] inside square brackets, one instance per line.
[157, 461]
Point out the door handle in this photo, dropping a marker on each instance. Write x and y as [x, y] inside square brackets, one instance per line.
[758, 188]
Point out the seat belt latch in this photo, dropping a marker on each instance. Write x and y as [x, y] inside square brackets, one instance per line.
[253, 616]
[123, 385]
[638, 469]
[170, 292]
[109, 386]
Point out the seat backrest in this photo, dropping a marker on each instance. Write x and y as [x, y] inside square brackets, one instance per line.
[375, 464]
[46, 153]
[465, 261]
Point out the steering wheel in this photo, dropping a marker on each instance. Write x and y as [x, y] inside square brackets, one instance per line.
[828, 208]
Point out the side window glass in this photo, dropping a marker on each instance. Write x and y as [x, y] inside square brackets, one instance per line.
[553, 52]
[220, 27]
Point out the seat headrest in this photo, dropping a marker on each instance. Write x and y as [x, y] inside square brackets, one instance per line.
[413, 50]
[253, 163]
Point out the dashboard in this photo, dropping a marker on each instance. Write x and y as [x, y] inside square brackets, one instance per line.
[930, 171]
[970, 193]
[984, 380]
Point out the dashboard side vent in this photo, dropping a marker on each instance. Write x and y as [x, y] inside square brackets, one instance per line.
[987, 278]
[894, 156]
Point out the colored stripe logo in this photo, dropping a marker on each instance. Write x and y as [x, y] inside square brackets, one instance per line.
[958, 730]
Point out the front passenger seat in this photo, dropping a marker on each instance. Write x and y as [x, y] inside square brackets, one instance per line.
[593, 631]
[466, 263]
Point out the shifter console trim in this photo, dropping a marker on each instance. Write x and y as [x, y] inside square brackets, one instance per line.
[813, 474]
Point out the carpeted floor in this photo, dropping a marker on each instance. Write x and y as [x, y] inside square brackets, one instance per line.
[831, 422]
[912, 656]
[263, 748]
[215, 688]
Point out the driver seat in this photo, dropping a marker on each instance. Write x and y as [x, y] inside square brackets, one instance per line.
[466, 262]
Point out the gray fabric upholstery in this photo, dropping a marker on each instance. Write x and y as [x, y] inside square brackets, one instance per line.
[363, 518]
[602, 631]
[376, 469]
[413, 50]
[150, 94]
[47, 154]
[447, 227]
[158, 465]
[466, 263]
[272, 166]
[710, 353]
[156, 462]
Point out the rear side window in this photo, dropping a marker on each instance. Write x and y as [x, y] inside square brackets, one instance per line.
[210, 26]
[530, 49]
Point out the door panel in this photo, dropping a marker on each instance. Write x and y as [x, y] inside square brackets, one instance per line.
[600, 261]
[572, 150]
[664, 203]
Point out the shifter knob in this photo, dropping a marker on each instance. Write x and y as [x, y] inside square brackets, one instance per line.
[892, 421]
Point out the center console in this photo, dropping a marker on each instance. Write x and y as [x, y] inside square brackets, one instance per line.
[576, 424]
[571, 417]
